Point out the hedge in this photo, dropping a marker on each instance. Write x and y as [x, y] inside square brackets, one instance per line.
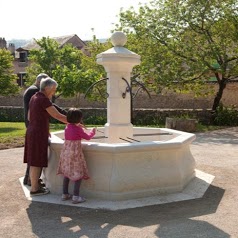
[98, 116]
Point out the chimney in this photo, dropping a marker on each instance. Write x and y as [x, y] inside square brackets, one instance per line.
[11, 48]
[3, 43]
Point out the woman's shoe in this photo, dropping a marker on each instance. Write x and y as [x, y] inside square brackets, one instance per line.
[40, 191]
[41, 184]
[78, 199]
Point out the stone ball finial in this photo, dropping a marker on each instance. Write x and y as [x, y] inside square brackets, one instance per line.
[118, 38]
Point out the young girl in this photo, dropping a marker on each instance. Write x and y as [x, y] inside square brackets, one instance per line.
[72, 163]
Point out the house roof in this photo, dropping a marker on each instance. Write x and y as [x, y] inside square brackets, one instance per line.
[62, 40]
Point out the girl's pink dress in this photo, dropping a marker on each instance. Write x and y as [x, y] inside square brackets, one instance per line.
[72, 163]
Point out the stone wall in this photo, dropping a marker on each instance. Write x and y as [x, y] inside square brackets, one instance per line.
[167, 100]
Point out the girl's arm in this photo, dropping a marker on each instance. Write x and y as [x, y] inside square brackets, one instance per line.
[87, 135]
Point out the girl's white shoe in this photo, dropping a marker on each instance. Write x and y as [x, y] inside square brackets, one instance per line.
[78, 199]
[65, 197]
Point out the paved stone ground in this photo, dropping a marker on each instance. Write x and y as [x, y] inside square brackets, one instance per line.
[215, 215]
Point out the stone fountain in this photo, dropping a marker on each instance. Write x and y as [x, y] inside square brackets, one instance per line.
[127, 162]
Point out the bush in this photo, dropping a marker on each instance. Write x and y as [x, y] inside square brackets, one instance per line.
[141, 117]
[11, 114]
[147, 117]
[226, 116]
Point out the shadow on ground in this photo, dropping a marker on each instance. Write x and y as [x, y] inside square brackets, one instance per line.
[168, 220]
[230, 136]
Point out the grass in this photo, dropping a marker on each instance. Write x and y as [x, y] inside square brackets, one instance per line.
[205, 128]
[12, 133]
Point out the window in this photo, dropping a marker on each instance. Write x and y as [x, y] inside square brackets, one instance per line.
[22, 57]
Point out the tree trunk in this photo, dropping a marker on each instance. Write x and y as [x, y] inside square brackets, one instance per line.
[217, 99]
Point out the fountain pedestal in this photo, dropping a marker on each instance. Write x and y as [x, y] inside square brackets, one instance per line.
[130, 170]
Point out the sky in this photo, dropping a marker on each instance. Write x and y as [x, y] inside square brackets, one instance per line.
[27, 19]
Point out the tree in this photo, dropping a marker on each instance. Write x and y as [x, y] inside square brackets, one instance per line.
[65, 64]
[185, 41]
[8, 79]
[95, 47]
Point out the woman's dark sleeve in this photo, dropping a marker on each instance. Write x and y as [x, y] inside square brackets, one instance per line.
[60, 110]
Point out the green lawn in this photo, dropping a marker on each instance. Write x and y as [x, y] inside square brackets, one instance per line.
[12, 133]
[15, 129]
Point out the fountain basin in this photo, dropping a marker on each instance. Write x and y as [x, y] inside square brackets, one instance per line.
[155, 161]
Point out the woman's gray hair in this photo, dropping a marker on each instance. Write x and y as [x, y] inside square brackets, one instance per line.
[40, 77]
[47, 82]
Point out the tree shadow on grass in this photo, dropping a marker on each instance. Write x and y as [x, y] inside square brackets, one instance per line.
[7, 130]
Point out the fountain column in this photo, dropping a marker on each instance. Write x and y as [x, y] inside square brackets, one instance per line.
[118, 63]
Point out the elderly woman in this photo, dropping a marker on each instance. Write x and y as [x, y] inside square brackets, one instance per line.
[37, 134]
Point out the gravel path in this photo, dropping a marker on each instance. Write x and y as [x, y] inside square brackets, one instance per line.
[215, 215]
